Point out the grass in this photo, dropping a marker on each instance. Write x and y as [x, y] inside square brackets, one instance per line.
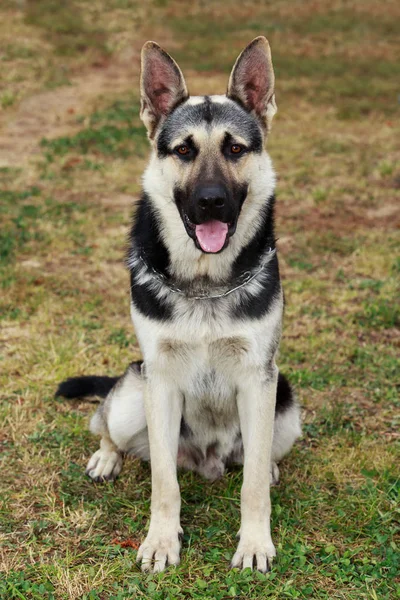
[114, 132]
[65, 199]
[18, 217]
[328, 48]
[65, 25]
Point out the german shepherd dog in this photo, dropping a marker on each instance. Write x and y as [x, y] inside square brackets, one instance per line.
[206, 304]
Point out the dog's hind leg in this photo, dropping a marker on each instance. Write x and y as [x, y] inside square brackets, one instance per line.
[121, 423]
[106, 463]
[287, 425]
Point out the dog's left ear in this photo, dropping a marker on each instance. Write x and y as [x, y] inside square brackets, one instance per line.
[162, 85]
[252, 81]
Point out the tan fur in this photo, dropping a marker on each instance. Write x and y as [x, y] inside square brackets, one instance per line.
[205, 370]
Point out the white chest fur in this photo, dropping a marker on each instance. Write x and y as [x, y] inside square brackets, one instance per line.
[203, 358]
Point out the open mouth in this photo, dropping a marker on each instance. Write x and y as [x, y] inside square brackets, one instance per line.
[211, 236]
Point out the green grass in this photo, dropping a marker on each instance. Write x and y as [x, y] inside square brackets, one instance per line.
[363, 552]
[110, 134]
[64, 305]
[20, 219]
[340, 75]
[65, 25]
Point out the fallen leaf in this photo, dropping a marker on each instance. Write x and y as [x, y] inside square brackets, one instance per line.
[129, 543]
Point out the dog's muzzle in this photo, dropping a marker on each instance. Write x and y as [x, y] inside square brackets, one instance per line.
[210, 220]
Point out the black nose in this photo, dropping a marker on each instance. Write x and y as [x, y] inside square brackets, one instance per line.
[210, 197]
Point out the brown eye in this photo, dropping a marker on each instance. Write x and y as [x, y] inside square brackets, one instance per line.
[236, 149]
[182, 150]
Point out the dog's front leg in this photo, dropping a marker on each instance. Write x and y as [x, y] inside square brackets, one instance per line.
[163, 413]
[256, 404]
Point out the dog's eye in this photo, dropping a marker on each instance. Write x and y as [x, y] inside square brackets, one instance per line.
[236, 149]
[182, 150]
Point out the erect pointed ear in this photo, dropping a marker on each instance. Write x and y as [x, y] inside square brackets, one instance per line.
[252, 81]
[162, 85]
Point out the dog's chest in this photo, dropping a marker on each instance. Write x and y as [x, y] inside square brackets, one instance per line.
[206, 374]
[209, 399]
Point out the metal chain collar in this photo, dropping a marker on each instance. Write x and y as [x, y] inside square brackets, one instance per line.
[247, 277]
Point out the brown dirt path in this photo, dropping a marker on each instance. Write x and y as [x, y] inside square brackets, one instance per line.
[53, 113]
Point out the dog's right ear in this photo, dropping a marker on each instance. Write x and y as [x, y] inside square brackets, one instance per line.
[162, 86]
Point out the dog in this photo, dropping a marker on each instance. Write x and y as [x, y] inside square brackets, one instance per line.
[206, 304]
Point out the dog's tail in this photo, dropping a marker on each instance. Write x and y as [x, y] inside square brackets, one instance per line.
[91, 385]
[101, 385]
[87, 385]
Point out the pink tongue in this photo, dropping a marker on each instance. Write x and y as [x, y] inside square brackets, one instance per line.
[212, 235]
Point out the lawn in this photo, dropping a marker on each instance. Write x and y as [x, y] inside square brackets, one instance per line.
[72, 150]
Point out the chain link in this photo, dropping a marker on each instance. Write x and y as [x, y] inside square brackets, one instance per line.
[247, 276]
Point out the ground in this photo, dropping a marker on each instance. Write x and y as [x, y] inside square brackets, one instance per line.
[72, 150]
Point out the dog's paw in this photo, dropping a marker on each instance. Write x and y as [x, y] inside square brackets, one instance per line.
[159, 551]
[274, 474]
[254, 555]
[104, 465]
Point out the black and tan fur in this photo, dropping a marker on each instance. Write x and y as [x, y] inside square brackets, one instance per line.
[206, 306]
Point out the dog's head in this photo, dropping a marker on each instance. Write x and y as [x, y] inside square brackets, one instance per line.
[208, 144]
